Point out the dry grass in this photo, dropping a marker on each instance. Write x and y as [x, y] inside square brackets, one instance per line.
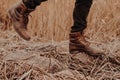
[51, 22]
[46, 21]
[104, 25]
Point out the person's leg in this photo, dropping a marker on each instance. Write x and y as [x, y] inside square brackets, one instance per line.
[19, 15]
[80, 14]
[77, 40]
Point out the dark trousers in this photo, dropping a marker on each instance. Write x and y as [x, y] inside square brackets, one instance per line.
[80, 14]
[32, 4]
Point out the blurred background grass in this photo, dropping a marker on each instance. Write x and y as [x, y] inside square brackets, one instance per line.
[53, 19]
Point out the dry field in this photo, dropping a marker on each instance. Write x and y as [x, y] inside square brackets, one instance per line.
[46, 55]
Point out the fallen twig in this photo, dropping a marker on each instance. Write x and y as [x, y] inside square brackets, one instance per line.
[26, 74]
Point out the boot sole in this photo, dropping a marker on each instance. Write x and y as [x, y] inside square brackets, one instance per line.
[79, 49]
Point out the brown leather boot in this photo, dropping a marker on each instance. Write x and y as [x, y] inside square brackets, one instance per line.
[19, 16]
[79, 44]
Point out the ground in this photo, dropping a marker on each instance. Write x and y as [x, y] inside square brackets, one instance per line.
[34, 60]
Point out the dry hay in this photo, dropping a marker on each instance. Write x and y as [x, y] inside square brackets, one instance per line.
[35, 60]
[104, 26]
[21, 60]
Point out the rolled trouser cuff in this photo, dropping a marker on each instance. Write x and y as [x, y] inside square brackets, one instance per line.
[32, 4]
